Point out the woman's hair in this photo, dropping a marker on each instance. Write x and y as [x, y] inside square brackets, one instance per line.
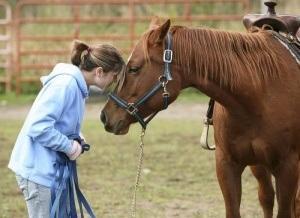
[103, 55]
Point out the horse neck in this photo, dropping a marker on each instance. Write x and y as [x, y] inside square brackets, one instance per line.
[224, 65]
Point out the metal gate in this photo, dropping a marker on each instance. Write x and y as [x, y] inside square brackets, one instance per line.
[44, 33]
[5, 46]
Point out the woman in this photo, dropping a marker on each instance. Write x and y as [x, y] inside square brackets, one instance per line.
[55, 115]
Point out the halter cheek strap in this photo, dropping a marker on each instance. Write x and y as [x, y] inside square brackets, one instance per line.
[132, 108]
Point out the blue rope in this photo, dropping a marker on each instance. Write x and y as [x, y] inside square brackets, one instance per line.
[63, 186]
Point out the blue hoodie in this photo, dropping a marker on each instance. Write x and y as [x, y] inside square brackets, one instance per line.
[56, 113]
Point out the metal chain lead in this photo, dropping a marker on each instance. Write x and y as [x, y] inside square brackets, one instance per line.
[138, 174]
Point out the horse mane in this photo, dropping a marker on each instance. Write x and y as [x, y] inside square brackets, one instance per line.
[118, 84]
[236, 56]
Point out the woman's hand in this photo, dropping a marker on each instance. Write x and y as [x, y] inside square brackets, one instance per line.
[75, 151]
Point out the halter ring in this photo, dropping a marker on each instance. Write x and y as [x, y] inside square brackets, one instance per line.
[163, 79]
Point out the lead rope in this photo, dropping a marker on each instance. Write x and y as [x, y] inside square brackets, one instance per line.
[138, 174]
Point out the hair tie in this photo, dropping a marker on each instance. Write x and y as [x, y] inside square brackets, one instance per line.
[89, 49]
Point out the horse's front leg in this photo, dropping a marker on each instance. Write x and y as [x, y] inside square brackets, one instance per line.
[286, 176]
[229, 177]
[265, 189]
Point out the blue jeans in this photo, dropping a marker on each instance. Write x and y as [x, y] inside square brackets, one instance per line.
[37, 197]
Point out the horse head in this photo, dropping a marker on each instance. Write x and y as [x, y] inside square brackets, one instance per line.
[146, 86]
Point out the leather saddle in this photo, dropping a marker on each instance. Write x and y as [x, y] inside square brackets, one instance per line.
[288, 24]
[283, 27]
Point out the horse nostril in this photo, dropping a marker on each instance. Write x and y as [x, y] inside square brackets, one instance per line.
[103, 117]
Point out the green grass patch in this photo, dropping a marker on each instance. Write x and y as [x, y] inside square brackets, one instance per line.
[178, 178]
[11, 99]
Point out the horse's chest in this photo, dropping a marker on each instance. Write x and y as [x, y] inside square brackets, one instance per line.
[240, 150]
[254, 140]
[257, 150]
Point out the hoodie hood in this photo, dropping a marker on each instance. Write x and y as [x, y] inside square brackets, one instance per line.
[68, 69]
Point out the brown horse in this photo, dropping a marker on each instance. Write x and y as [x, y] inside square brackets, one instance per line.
[256, 83]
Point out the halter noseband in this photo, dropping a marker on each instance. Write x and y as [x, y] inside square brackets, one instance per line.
[132, 108]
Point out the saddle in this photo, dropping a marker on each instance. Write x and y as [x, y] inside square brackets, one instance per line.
[285, 28]
[279, 23]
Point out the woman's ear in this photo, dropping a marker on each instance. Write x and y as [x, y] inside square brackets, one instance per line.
[99, 71]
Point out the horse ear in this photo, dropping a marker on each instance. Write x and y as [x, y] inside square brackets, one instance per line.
[161, 32]
[155, 23]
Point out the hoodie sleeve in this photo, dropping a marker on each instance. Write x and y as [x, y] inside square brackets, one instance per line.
[48, 110]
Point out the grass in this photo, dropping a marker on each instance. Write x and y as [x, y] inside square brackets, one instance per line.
[11, 99]
[178, 178]
[191, 95]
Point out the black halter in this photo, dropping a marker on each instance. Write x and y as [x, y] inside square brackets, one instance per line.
[132, 108]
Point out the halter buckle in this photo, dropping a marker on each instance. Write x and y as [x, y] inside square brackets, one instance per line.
[168, 56]
[131, 109]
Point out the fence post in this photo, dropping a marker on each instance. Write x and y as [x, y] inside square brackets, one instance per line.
[7, 51]
[132, 23]
[17, 48]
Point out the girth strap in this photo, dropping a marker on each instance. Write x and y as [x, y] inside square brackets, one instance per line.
[210, 111]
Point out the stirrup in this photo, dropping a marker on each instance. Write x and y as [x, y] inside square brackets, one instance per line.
[204, 136]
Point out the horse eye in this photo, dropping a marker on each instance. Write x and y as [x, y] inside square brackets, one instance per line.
[133, 70]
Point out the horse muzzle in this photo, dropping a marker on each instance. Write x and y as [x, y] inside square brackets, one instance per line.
[119, 127]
